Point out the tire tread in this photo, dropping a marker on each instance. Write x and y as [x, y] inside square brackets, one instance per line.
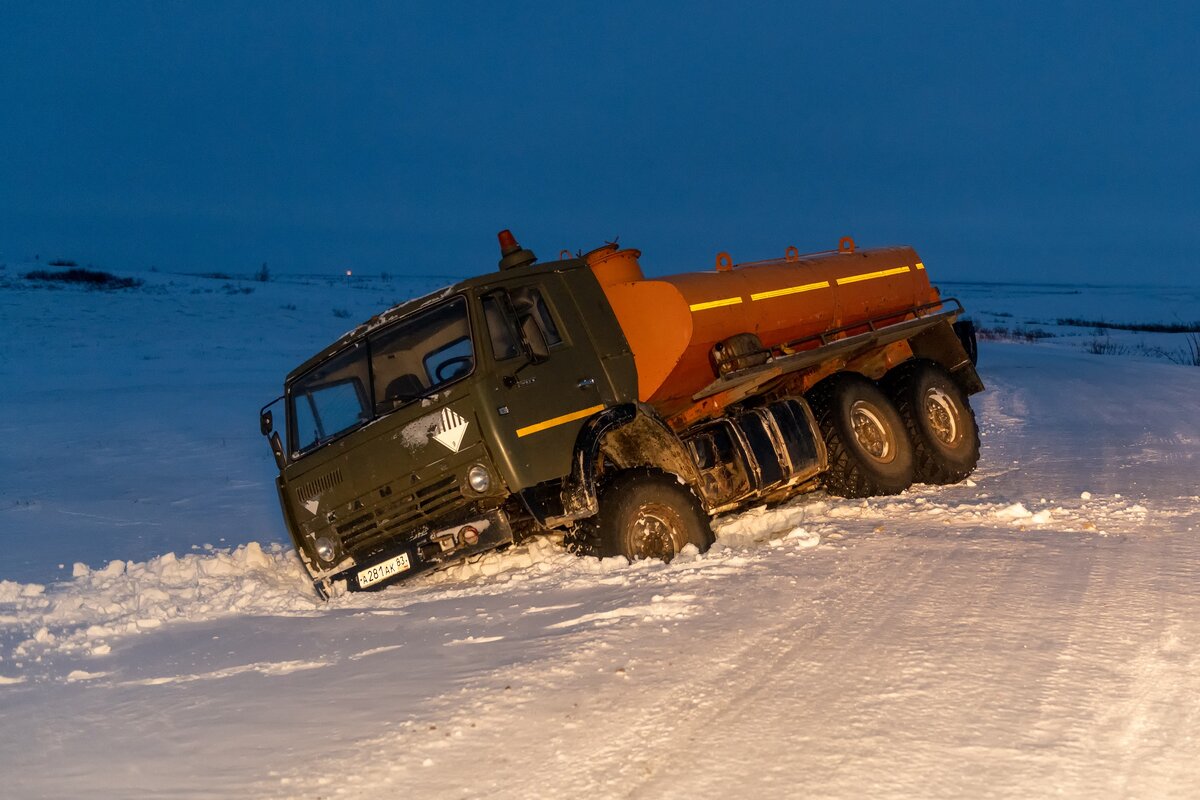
[930, 466]
[845, 475]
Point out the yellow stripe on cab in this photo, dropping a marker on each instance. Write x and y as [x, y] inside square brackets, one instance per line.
[556, 421]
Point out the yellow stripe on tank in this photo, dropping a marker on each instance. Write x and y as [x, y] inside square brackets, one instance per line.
[808, 287]
[728, 301]
[556, 421]
[920, 265]
[867, 276]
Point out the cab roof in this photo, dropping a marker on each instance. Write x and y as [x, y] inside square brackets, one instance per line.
[404, 309]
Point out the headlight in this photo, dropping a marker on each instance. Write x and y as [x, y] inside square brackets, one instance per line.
[325, 549]
[479, 478]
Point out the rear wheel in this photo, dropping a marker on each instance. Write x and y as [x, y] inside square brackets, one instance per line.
[939, 420]
[869, 448]
[646, 514]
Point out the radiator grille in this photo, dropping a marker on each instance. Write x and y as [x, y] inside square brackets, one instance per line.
[319, 486]
[374, 526]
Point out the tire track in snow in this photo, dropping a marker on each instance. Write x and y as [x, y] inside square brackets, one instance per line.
[1143, 688]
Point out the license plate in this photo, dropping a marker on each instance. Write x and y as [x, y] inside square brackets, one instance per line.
[383, 571]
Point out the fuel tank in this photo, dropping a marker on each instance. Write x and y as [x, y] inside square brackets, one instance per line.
[673, 322]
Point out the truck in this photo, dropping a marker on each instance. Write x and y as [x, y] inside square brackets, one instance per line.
[581, 399]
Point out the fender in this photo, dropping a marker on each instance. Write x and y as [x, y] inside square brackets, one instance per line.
[556, 503]
[578, 494]
[629, 436]
[945, 344]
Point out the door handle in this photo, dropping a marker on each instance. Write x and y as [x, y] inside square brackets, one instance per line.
[587, 383]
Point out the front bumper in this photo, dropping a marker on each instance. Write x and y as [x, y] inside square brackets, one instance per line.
[444, 543]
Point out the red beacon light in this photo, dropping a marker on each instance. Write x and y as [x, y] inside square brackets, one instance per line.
[511, 253]
[508, 242]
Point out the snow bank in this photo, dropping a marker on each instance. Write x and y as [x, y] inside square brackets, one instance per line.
[544, 553]
[85, 615]
[82, 614]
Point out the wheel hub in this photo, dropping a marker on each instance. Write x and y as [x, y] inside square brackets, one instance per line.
[942, 413]
[872, 435]
[657, 532]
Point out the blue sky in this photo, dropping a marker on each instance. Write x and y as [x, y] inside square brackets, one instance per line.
[1007, 141]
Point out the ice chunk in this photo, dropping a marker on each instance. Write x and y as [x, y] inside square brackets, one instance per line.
[1014, 511]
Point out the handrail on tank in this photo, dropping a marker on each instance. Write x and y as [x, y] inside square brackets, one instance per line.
[790, 256]
[916, 311]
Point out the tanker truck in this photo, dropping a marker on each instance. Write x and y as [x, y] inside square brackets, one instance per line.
[581, 399]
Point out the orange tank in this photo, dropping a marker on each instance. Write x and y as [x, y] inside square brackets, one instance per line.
[672, 323]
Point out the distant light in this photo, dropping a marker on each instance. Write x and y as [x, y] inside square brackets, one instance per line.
[347, 273]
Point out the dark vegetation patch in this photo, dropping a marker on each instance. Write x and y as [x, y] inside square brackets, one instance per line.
[1103, 346]
[1189, 354]
[1140, 327]
[62, 262]
[90, 278]
[1014, 334]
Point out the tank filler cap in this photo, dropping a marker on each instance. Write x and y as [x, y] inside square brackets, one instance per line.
[512, 255]
[846, 245]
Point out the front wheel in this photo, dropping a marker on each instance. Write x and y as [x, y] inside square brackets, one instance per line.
[646, 514]
[868, 446]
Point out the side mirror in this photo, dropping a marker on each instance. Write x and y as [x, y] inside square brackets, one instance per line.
[266, 424]
[535, 343]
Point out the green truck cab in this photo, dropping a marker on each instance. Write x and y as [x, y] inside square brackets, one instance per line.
[409, 439]
[508, 405]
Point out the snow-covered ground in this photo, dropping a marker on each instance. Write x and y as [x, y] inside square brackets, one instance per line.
[1034, 632]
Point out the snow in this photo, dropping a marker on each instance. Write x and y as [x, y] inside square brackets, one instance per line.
[1032, 632]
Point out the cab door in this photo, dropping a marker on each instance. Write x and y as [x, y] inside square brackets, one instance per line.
[538, 409]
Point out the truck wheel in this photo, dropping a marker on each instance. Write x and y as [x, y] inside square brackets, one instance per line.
[646, 514]
[939, 420]
[868, 446]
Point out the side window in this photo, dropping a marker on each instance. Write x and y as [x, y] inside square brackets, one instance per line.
[528, 300]
[504, 341]
[524, 300]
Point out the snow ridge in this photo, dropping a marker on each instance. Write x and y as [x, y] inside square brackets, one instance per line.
[123, 598]
[86, 615]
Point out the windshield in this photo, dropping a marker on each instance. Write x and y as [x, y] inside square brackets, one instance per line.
[395, 365]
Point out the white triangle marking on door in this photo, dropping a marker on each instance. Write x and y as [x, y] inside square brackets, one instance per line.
[450, 430]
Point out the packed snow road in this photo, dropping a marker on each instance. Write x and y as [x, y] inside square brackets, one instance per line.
[1033, 633]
